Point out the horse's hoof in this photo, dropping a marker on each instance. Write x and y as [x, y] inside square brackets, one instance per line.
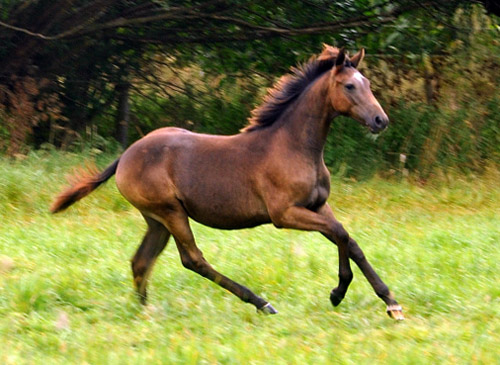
[267, 309]
[396, 312]
[335, 298]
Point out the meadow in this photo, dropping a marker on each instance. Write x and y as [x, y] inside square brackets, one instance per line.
[66, 292]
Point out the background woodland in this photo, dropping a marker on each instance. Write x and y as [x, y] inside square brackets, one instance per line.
[99, 74]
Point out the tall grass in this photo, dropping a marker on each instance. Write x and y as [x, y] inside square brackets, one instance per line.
[66, 291]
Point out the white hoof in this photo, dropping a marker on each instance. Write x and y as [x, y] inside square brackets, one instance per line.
[267, 309]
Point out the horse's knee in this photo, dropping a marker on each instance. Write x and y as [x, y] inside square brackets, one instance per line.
[346, 276]
[340, 234]
[193, 264]
[187, 263]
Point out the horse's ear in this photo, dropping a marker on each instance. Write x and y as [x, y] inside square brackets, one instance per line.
[358, 57]
[340, 57]
[340, 60]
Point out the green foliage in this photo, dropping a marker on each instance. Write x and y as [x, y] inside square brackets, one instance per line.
[437, 77]
[440, 119]
[443, 114]
[217, 104]
[66, 290]
[351, 151]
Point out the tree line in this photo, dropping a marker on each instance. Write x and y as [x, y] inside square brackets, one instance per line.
[74, 71]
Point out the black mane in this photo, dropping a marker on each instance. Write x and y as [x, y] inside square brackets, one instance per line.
[287, 90]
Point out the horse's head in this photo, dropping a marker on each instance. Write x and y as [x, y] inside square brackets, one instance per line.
[350, 91]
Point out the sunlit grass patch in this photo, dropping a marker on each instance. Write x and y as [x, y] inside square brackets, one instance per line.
[66, 292]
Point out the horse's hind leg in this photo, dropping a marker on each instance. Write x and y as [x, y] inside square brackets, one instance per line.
[152, 245]
[192, 259]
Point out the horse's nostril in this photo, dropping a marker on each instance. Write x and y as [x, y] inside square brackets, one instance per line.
[378, 121]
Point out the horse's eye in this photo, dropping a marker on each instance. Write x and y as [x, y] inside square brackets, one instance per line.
[349, 87]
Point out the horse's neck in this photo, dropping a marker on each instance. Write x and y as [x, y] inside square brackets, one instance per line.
[307, 121]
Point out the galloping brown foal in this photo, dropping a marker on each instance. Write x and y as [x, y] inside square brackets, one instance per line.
[272, 172]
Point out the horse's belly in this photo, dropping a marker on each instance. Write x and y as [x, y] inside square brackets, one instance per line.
[227, 212]
[226, 222]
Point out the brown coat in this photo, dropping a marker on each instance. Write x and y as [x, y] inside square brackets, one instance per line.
[272, 172]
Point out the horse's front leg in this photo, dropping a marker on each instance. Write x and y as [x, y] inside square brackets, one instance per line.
[394, 310]
[324, 222]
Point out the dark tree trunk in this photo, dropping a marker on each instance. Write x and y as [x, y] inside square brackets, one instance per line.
[123, 115]
[428, 83]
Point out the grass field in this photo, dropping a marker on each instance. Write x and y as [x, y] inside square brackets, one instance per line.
[66, 292]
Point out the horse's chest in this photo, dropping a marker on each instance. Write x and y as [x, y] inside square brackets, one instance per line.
[316, 191]
[318, 196]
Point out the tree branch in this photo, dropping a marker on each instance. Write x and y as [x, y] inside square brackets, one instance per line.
[185, 14]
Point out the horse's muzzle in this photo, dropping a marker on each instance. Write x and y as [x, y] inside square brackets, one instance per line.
[378, 124]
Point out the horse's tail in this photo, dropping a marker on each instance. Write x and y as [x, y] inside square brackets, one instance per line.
[83, 185]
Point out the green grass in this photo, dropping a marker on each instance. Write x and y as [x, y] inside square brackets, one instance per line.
[66, 291]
